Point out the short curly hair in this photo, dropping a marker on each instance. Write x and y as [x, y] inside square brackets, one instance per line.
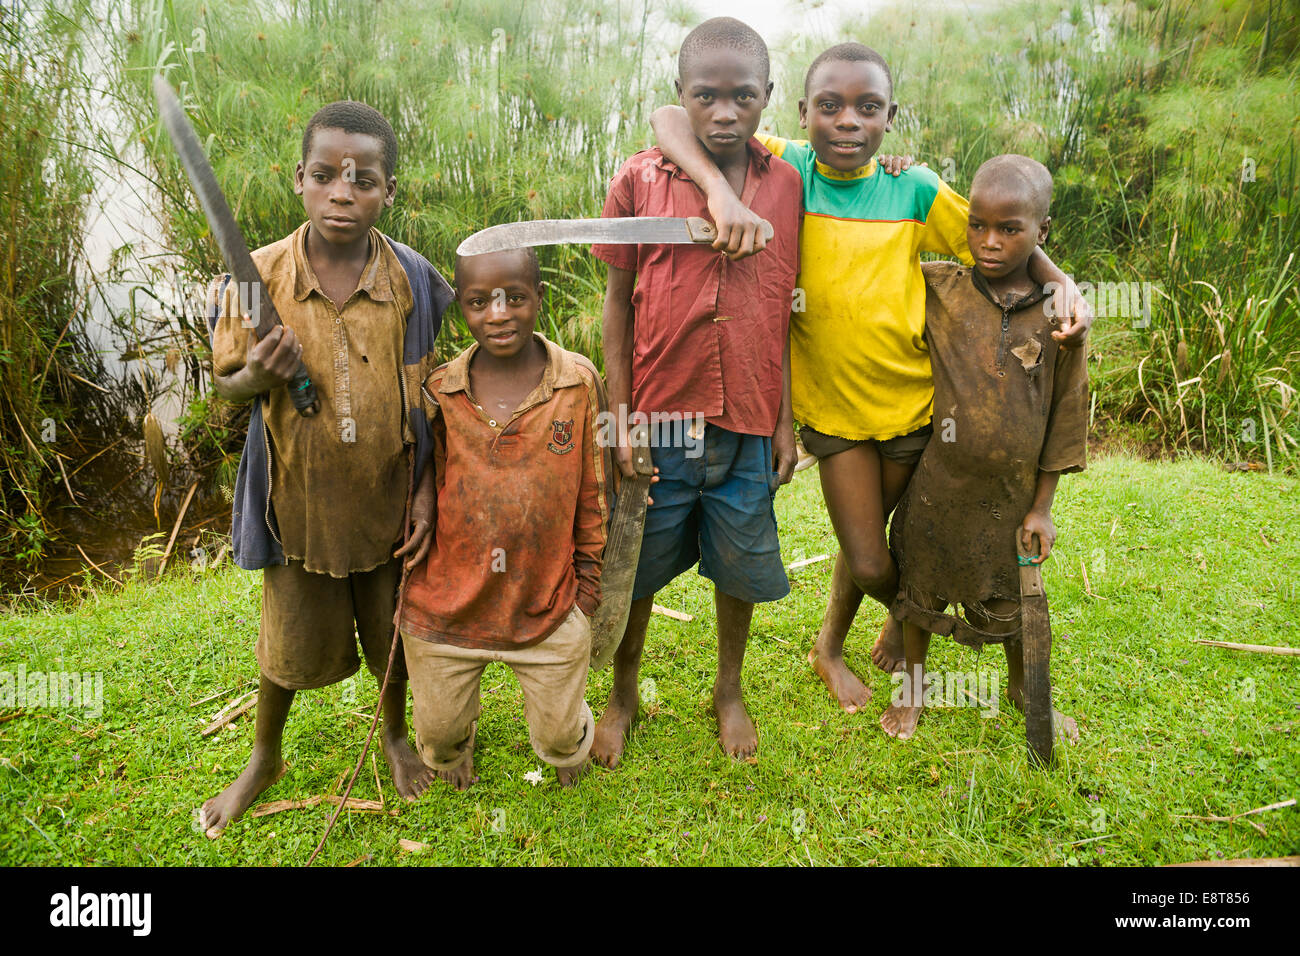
[353, 117]
[852, 53]
[725, 32]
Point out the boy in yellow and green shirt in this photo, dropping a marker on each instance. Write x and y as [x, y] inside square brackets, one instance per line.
[861, 381]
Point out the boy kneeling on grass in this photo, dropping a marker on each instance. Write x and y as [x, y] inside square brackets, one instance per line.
[1010, 416]
[518, 503]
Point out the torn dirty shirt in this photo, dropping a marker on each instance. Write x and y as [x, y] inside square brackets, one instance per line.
[1008, 403]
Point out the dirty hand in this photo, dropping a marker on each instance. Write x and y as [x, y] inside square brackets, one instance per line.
[784, 453]
[1075, 313]
[422, 507]
[1040, 524]
[740, 232]
[893, 165]
[623, 458]
[272, 361]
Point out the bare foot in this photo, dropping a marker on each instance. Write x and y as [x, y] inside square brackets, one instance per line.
[411, 775]
[736, 731]
[842, 682]
[229, 805]
[887, 652]
[1064, 726]
[569, 775]
[899, 721]
[612, 729]
[459, 777]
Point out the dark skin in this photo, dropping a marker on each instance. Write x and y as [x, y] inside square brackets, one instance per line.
[722, 97]
[344, 187]
[500, 301]
[1002, 230]
[847, 112]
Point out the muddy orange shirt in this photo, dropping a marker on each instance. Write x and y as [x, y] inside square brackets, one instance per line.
[522, 505]
[708, 334]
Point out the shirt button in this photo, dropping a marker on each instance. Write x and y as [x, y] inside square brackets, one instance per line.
[492, 423]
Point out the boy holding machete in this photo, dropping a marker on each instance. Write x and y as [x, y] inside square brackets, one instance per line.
[692, 335]
[320, 501]
[1011, 407]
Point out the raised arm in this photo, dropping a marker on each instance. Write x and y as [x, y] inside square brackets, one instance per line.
[739, 234]
[1075, 313]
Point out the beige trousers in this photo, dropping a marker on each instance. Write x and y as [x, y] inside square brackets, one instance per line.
[445, 683]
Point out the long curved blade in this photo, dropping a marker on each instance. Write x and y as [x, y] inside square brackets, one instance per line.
[234, 250]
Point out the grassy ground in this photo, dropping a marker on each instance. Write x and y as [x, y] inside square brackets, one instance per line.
[1174, 552]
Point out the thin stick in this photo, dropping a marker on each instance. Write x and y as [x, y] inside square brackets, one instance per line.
[229, 718]
[99, 569]
[1087, 586]
[185, 506]
[1258, 861]
[807, 561]
[222, 693]
[669, 612]
[392, 654]
[1254, 648]
[1105, 836]
[1237, 816]
[63, 471]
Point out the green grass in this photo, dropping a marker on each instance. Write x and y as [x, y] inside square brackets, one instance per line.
[1174, 552]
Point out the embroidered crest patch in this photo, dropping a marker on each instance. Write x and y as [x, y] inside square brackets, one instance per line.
[561, 442]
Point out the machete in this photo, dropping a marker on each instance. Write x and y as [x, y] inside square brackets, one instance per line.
[234, 250]
[622, 552]
[1036, 646]
[635, 230]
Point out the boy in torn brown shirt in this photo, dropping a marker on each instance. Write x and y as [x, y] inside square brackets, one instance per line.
[1010, 416]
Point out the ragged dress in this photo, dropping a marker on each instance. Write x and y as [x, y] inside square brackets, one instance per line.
[1008, 402]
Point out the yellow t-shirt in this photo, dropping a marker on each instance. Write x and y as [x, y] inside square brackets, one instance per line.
[858, 361]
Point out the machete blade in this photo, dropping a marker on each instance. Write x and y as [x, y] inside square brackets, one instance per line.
[234, 250]
[622, 552]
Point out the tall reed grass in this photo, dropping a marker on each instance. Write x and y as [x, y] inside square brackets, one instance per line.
[42, 200]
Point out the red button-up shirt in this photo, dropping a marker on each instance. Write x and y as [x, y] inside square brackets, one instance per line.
[709, 333]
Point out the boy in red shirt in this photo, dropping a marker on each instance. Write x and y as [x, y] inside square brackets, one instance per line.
[692, 335]
[513, 566]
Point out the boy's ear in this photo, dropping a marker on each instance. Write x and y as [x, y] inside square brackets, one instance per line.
[677, 85]
[390, 191]
[1044, 228]
[893, 112]
[297, 179]
[803, 112]
[767, 94]
[541, 291]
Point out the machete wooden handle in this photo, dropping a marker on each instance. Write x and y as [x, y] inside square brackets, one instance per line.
[1036, 646]
[702, 230]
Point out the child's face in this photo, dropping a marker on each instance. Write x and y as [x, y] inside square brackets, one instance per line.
[1002, 230]
[343, 184]
[499, 300]
[724, 95]
[847, 112]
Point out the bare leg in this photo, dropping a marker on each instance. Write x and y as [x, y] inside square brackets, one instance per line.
[624, 698]
[904, 712]
[411, 776]
[264, 765]
[735, 729]
[861, 489]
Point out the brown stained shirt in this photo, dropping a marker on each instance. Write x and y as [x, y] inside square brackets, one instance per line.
[1006, 405]
[522, 504]
[338, 479]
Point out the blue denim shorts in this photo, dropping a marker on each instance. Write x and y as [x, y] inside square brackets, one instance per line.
[713, 505]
